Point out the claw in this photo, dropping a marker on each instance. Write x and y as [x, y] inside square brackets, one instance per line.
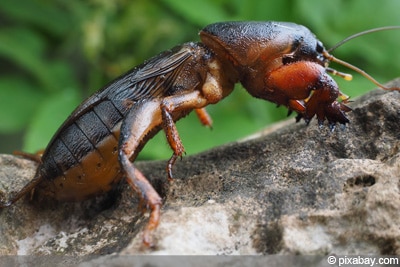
[171, 162]
[332, 126]
[298, 117]
[320, 124]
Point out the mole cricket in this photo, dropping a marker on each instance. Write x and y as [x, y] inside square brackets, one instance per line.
[96, 146]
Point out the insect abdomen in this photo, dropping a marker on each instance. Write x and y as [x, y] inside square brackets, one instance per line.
[82, 159]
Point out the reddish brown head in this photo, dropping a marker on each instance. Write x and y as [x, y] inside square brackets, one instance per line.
[280, 62]
[284, 63]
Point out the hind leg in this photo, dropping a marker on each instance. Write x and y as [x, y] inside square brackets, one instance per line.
[140, 184]
[134, 133]
[153, 201]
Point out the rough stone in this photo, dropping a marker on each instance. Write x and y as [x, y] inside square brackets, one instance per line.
[296, 190]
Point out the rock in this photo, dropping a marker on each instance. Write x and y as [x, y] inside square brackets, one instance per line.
[297, 190]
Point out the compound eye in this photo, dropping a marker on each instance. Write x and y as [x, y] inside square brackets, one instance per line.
[320, 47]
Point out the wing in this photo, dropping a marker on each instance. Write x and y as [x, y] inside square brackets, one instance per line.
[150, 79]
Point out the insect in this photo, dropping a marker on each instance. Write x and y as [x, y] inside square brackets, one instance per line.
[95, 147]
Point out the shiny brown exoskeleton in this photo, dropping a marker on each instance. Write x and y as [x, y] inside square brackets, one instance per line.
[95, 147]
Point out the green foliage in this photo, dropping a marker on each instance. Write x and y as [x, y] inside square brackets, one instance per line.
[54, 54]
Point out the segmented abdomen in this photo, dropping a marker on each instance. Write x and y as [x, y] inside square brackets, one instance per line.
[82, 160]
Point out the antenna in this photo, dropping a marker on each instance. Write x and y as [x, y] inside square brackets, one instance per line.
[348, 77]
[345, 40]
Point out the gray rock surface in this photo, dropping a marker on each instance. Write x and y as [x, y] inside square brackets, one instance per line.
[295, 190]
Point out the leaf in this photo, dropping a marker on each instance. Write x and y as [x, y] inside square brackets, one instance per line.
[25, 48]
[200, 13]
[44, 14]
[49, 117]
[18, 101]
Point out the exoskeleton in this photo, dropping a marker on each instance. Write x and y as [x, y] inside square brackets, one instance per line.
[95, 147]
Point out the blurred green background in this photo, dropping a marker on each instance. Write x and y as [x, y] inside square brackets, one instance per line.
[53, 54]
